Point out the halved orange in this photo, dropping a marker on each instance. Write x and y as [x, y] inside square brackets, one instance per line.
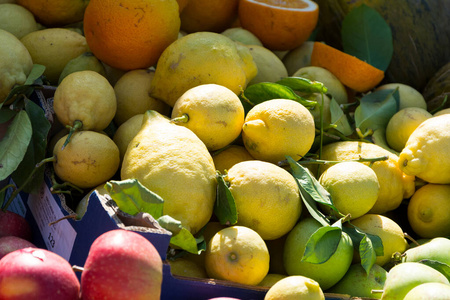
[350, 70]
[279, 24]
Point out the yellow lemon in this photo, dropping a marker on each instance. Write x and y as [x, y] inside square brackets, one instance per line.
[85, 96]
[394, 184]
[390, 233]
[15, 63]
[276, 128]
[213, 112]
[409, 96]
[353, 188]
[270, 67]
[89, 159]
[402, 124]
[269, 190]
[429, 211]
[184, 267]
[132, 94]
[271, 279]
[442, 112]
[426, 152]
[229, 156]
[201, 58]
[17, 20]
[295, 287]
[54, 48]
[237, 254]
[126, 132]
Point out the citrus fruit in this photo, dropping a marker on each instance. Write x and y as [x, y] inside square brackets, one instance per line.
[409, 96]
[126, 132]
[201, 58]
[83, 62]
[270, 67]
[184, 267]
[17, 20]
[157, 157]
[402, 124]
[132, 94]
[323, 103]
[353, 188]
[394, 184]
[350, 70]
[237, 254]
[54, 13]
[390, 233]
[268, 189]
[428, 211]
[295, 287]
[213, 112]
[429, 291]
[276, 128]
[242, 35]
[298, 57]
[208, 15]
[15, 63]
[54, 48]
[442, 112]
[426, 152]
[229, 156]
[271, 279]
[86, 97]
[280, 25]
[89, 159]
[130, 34]
[326, 274]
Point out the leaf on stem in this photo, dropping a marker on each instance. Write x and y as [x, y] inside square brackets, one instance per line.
[339, 119]
[322, 244]
[181, 237]
[303, 85]
[225, 207]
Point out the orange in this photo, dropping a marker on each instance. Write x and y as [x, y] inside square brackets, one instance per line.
[208, 15]
[280, 25]
[350, 70]
[130, 34]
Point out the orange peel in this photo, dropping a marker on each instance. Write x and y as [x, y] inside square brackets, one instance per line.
[350, 70]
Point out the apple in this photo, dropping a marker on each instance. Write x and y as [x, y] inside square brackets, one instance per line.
[32, 273]
[11, 243]
[15, 225]
[122, 264]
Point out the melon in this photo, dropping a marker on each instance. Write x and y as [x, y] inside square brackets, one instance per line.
[420, 33]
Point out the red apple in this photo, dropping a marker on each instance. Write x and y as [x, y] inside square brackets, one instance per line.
[11, 243]
[15, 225]
[122, 264]
[32, 274]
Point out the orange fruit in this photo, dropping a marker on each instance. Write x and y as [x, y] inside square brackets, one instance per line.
[130, 34]
[350, 70]
[208, 15]
[280, 25]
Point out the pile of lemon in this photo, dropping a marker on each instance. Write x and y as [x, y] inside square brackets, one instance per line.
[168, 76]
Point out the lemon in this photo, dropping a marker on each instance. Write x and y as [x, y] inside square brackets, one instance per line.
[237, 254]
[161, 156]
[353, 188]
[54, 48]
[242, 35]
[429, 291]
[335, 88]
[409, 96]
[442, 112]
[89, 159]
[298, 57]
[426, 152]
[184, 267]
[269, 190]
[402, 124]
[295, 287]
[429, 210]
[15, 63]
[17, 20]
[394, 184]
[85, 96]
[270, 67]
[126, 132]
[276, 128]
[390, 233]
[85, 61]
[271, 279]
[132, 94]
[201, 58]
[213, 112]
[325, 102]
[229, 156]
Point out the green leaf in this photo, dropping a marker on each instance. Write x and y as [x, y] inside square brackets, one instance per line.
[379, 138]
[357, 235]
[322, 244]
[132, 197]
[35, 74]
[303, 85]
[366, 35]
[367, 253]
[311, 191]
[225, 207]
[181, 237]
[339, 119]
[6, 115]
[376, 109]
[14, 144]
[36, 150]
[438, 265]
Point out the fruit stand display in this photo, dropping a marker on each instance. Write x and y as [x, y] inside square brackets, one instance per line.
[209, 149]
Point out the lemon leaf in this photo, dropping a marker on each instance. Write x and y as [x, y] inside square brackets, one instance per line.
[181, 237]
[437, 265]
[339, 119]
[367, 253]
[303, 85]
[225, 207]
[322, 244]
